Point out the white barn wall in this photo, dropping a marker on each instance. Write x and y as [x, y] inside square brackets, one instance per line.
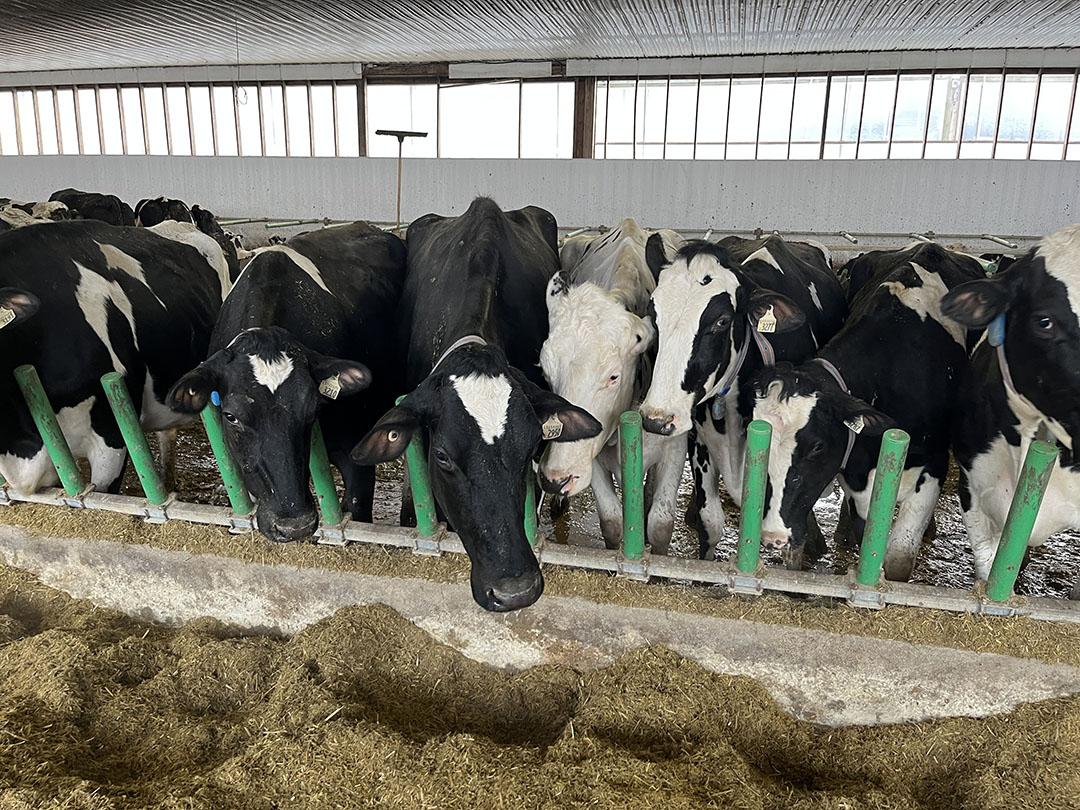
[948, 197]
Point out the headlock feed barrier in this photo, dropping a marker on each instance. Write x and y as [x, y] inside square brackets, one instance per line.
[744, 574]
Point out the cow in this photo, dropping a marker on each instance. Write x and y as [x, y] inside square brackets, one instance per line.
[111, 299]
[597, 355]
[723, 311]
[288, 346]
[896, 363]
[18, 214]
[473, 321]
[1023, 384]
[91, 205]
[150, 212]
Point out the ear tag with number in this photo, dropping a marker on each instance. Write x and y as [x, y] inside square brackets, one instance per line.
[6, 316]
[330, 387]
[552, 427]
[215, 397]
[767, 323]
[855, 424]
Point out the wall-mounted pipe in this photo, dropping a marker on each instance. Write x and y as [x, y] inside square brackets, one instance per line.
[116, 391]
[1000, 240]
[633, 489]
[849, 237]
[879, 515]
[755, 475]
[45, 420]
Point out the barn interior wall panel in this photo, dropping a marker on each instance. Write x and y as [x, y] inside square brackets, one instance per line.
[949, 197]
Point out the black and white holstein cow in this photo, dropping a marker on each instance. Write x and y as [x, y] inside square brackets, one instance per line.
[153, 211]
[723, 311]
[111, 299]
[1027, 389]
[91, 205]
[473, 320]
[286, 348]
[598, 355]
[896, 351]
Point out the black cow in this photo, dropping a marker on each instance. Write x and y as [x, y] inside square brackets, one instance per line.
[715, 306]
[91, 205]
[1028, 389]
[154, 211]
[473, 319]
[896, 351]
[278, 345]
[111, 299]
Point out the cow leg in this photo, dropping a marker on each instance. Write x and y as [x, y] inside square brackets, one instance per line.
[849, 526]
[27, 475]
[794, 557]
[710, 510]
[907, 532]
[166, 440]
[815, 540]
[408, 510]
[93, 434]
[608, 507]
[666, 474]
[359, 486]
[982, 533]
[560, 505]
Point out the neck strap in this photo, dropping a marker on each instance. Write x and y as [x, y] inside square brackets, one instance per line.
[768, 357]
[457, 344]
[834, 372]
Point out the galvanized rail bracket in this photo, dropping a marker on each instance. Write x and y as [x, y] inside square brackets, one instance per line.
[242, 524]
[76, 501]
[635, 570]
[334, 535]
[863, 596]
[430, 546]
[153, 513]
[748, 584]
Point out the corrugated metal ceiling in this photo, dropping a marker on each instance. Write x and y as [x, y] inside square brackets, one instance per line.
[72, 34]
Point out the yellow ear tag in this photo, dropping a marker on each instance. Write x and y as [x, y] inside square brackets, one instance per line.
[330, 387]
[855, 424]
[6, 316]
[552, 428]
[767, 323]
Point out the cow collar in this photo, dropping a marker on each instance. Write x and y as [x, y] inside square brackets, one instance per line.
[768, 356]
[995, 334]
[457, 344]
[835, 373]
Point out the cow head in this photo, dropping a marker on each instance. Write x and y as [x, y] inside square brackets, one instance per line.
[270, 388]
[591, 358]
[154, 211]
[484, 422]
[702, 306]
[1039, 297]
[810, 418]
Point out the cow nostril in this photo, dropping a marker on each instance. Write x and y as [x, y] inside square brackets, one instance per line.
[663, 426]
[515, 592]
[554, 486]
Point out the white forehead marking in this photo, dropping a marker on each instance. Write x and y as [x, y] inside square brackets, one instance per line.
[486, 399]
[1061, 255]
[926, 300]
[814, 296]
[763, 255]
[787, 418]
[271, 373]
[301, 261]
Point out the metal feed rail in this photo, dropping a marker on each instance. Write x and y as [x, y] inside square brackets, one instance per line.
[744, 574]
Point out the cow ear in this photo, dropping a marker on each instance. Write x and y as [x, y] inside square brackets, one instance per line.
[393, 432]
[644, 335]
[557, 289]
[864, 419]
[559, 420]
[786, 313]
[976, 303]
[336, 377]
[17, 305]
[192, 392]
[657, 255]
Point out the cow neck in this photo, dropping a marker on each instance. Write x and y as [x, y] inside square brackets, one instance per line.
[457, 344]
[834, 372]
[765, 349]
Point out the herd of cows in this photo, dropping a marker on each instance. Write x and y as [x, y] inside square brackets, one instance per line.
[514, 350]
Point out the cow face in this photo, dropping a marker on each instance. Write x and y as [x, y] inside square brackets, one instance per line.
[702, 308]
[591, 358]
[1039, 296]
[483, 421]
[270, 387]
[809, 415]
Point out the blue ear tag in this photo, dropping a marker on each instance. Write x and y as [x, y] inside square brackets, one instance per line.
[719, 407]
[995, 332]
[215, 397]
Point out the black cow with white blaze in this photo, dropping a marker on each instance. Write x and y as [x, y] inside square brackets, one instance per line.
[1027, 389]
[91, 205]
[896, 351]
[473, 319]
[306, 326]
[723, 311]
[109, 299]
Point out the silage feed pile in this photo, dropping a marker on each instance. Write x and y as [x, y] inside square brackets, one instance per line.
[98, 711]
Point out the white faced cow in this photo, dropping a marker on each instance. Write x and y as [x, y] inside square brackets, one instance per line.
[1028, 389]
[723, 311]
[473, 320]
[597, 354]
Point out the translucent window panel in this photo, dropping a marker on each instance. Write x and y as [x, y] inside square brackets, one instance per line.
[296, 103]
[9, 140]
[710, 151]
[946, 115]
[69, 133]
[740, 151]
[547, 120]
[1051, 116]
[842, 124]
[909, 126]
[202, 126]
[247, 111]
[620, 114]
[154, 100]
[225, 119]
[24, 106]
[981, 110]
[877, 111]
[777, 95]
[651, 118]
[1073, 152]
[273, 118]
[804, 151]
[600, 120]
[1017, 112]
[109, 105]
[410, 107]
[906, 150]
[133, 120]
[322, 113]
[681, 112]
[679, 151]
[620, 151]
[599, 151]
[50, 144]
[743, 117]
[348, 120]
[839, 151]
[88, 119]
[179, 133]
[808, 114]
[712, 113]
[873, 151]
[479, 120]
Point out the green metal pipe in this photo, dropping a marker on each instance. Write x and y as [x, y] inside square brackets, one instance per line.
[530, 504]
[633, 486]
[879, 515]
[1034, 478]
[116, 391]
[323, 478]
[45, 420]
[755, 475]
[427, 521]
[230, 473]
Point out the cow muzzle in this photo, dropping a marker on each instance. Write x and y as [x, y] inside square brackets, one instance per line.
[513, 593]
[658, 422]
[775, 539]
[559, 483]
[287, 529]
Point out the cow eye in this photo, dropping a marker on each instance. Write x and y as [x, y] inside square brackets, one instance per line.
[1044, 323]
[723, 323]
[230, 418]
[443, 458]
[614, 378]
[816, 449]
